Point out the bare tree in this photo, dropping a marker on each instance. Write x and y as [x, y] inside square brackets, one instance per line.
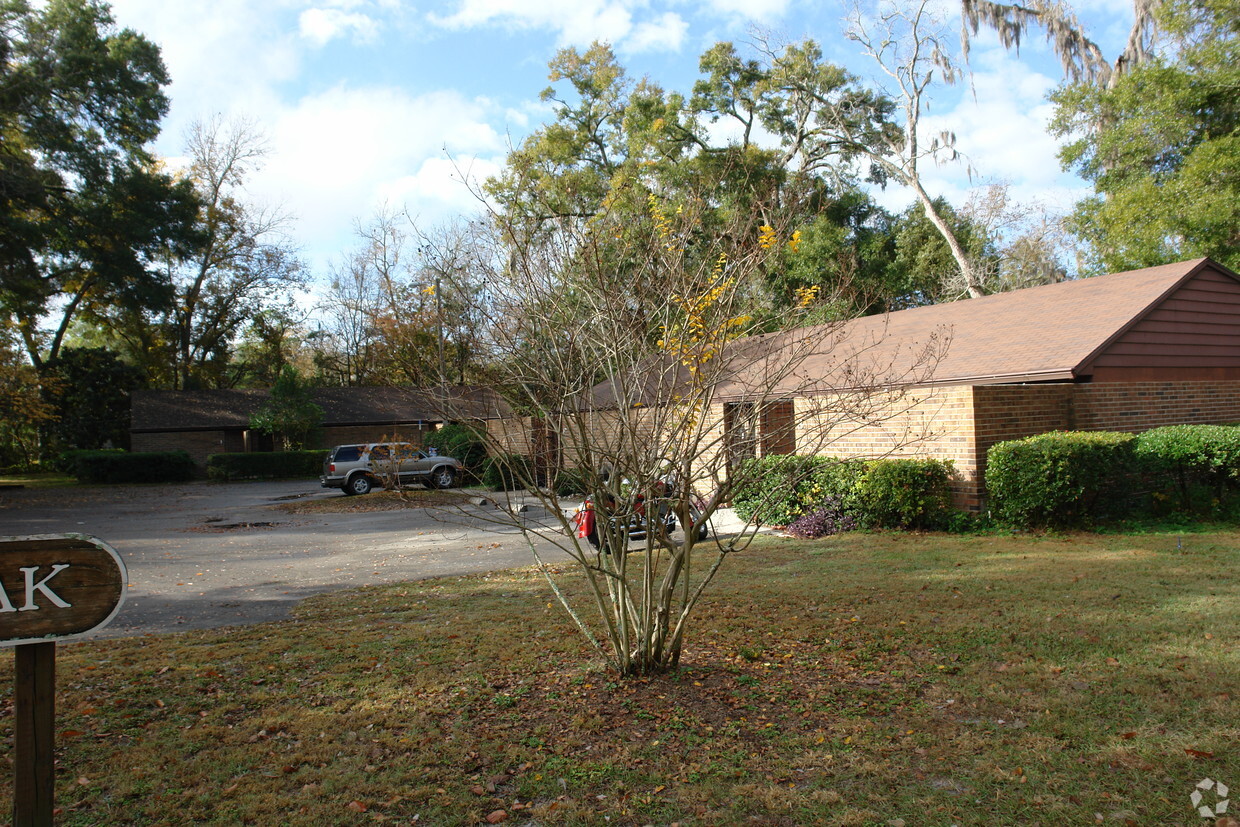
[1031, 239]
[244, 261]
[628, 370]
[1081, 57]
[346, 340]
[884, 128]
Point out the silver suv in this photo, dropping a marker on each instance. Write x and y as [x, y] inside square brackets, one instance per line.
[356, 469]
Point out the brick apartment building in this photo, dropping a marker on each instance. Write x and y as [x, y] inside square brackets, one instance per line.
[1126, 351]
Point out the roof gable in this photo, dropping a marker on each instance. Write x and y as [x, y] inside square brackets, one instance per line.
[1050, 332]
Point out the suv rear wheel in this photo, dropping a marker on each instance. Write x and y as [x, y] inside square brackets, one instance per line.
[361, 484]
[443, 477]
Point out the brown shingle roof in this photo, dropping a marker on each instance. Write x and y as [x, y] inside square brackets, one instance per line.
[1042, 333]
[1039, 333]
[227, 409]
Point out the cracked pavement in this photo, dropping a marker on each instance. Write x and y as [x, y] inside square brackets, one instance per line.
[203, 555]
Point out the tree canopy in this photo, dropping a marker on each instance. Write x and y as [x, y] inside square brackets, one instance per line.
[84, 208]
[1161, 145]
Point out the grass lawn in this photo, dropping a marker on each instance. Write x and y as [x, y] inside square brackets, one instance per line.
[38, 479]
[878, 679]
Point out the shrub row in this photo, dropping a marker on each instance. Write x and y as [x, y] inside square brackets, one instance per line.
[123, 467]
[463, 443]
[265, 465]
[507, 473]
[1067, 479]
[1060, 478]
[819, 495]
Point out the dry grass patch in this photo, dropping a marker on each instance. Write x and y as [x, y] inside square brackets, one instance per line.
[856, 680]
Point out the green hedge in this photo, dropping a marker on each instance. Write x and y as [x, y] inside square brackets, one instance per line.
[507, 473]
[265, 465]
[461, 442]
[68, 460]
[887, 493]
[1061, 478]
[1190, 464]
[905, 493]
[117, 467]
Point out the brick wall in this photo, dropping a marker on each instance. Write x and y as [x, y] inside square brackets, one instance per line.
[960, 422]
[331, 437]
[931, 422]
[199, 444]
[1139, 406]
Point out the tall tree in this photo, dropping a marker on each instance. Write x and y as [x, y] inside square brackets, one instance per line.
[1161, 145]
[89, 390]
[291, 413]
[1081, 58]
[906, 40]
[241, 266]
[83, 208]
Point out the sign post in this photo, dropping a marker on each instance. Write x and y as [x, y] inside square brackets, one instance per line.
[52, 587]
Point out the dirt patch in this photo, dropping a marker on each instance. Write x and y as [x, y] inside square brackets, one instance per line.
[211, 526]
[376, 501]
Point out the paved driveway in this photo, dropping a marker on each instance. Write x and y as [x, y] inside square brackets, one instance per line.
[202, 555]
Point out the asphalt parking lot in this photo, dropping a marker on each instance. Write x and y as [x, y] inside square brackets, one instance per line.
[203, 555]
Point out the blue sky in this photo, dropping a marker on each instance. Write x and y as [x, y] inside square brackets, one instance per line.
[364, 102]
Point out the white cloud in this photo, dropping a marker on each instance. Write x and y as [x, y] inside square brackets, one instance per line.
[665, 34]
[346, 150]
[763, 12]
[323, 25]
[576, 22]
[225, 56]
[441, 187]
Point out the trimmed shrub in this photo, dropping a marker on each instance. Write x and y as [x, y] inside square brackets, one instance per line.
[888, 493]
[461, 442]
[775, 490]
[905, 493]
[830, 519]
[68, 460]
[507, 473]
[1061, 478]
[569, 483]
[1180, 458]
[120, 467]
[265, 465]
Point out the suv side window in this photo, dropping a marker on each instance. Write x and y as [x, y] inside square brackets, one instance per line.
[380, 453]
[347, 453]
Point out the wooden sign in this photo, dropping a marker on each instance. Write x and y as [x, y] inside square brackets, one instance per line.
[54, 587]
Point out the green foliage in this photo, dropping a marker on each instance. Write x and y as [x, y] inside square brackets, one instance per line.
[88, 389]
[614, 139]
[67, 461]
[1179, 459]
[570, 483]
[462, 442]
[1060, 478]
[1162, 146]
[925, 261]
[905, 493]
[775, 490]
[121, 467]
[510, 472]
[24, 409]
[290, 412]
[888, 493]
[265, 465]
[83, 207]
